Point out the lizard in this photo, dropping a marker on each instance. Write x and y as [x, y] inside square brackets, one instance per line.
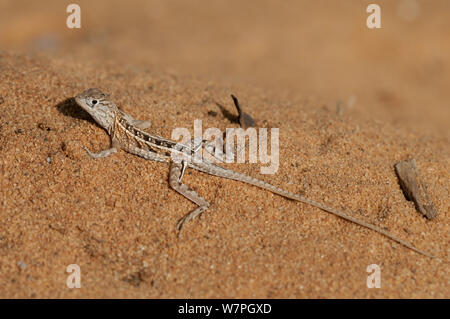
[129, 134]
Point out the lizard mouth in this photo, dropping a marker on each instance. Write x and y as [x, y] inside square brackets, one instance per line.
[80, 102]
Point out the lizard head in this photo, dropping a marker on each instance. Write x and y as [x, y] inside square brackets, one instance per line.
[97, 104]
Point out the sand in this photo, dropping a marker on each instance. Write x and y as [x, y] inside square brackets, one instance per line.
[349, 103]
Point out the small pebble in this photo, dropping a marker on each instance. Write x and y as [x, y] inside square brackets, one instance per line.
[22, 265]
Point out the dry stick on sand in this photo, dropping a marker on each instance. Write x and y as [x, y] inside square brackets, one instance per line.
[244, 119]
[128, 134]
[413, 188]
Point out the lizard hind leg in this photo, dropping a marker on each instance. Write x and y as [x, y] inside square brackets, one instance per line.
[175, 176]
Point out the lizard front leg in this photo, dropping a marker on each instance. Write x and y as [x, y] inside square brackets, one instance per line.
[175, 176]
[105, 153]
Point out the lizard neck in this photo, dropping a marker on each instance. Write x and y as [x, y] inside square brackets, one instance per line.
[105, 114]
[115, 118]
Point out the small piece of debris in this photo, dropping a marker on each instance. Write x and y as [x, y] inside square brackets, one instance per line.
[212, 113]
[413, 188]
[44, 127]
[134, 279]
[49, 159]
[244, 119]
[22, 265]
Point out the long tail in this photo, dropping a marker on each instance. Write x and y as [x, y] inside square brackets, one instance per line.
[217, 170]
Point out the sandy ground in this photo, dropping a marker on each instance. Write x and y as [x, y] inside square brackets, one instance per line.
[291, 64]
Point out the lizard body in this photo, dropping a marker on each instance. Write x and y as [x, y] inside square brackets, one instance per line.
[128, 134]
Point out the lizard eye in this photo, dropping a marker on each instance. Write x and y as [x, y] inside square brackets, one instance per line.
[94, 102]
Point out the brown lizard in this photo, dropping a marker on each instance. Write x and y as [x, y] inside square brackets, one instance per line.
[128, 134]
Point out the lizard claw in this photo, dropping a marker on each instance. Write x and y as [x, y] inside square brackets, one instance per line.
[188, 217]
[87, 150]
